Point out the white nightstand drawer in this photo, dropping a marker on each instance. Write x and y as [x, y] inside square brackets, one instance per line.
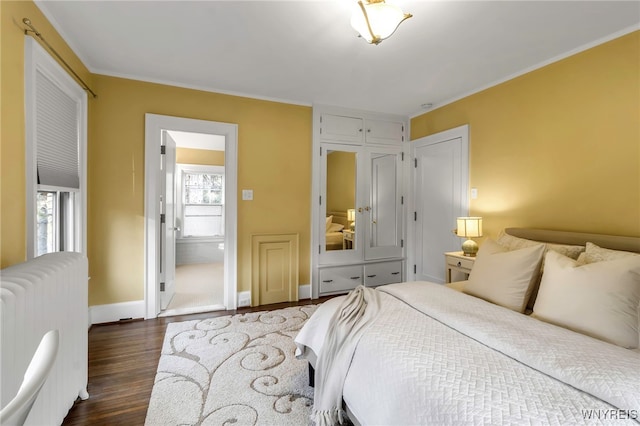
[460, 262]
[343, 278]
[376, 274]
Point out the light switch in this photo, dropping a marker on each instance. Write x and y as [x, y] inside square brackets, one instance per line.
[247, 194]
[474, 193]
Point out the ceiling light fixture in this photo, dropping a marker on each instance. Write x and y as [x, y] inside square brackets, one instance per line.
[376, 20]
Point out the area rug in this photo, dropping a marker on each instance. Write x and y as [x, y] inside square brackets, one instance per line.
[237, 369]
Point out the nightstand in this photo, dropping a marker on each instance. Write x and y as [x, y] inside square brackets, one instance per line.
[348, 237]
[456, 263]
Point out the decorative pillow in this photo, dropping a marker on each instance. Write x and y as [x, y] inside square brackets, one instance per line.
[329, 220]
[593, 254]
[599, 299]
[513, 243]
[503, 277]
[335, 227]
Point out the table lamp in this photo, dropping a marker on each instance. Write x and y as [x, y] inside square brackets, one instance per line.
[469, 227]
[351, 218]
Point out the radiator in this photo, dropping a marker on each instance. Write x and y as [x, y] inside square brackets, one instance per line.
[48, 292]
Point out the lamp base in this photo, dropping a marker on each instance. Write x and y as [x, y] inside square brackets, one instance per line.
[470, 248]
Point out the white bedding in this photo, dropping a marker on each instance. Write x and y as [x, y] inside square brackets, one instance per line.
[334, 239]
[437, 356]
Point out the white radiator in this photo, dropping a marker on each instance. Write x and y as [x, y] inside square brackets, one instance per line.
[46, 293]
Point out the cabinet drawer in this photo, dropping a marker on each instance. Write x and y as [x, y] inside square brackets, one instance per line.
[338, 279]
[377, 274]
[457, 262]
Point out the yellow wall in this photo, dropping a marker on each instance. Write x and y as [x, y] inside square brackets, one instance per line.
[12, 124]
[274, 157]
[557, 148]
[207, 157]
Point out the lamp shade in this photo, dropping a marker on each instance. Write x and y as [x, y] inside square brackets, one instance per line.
[376, 20]
[469, 227]
[351, 215]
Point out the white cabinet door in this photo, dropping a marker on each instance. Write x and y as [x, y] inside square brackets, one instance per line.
[383, 231]
[336, 128]
[384, 132]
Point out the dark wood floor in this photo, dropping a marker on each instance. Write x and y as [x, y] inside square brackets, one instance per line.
[123, 358]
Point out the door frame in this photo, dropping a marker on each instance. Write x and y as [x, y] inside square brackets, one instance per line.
[461, 132]
[154, 125]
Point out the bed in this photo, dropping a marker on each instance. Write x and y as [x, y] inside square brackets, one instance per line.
[425, 353]
[336, 221]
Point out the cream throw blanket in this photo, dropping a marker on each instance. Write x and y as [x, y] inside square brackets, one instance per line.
[347, 325]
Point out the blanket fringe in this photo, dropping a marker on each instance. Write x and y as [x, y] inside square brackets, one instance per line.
[328, 417]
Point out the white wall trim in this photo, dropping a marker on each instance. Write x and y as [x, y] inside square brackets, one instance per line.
[304, 292]
[154, 125]
[116, 311]
[244, 299]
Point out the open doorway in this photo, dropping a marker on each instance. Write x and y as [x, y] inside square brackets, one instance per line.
[199, 183]
[190, 215]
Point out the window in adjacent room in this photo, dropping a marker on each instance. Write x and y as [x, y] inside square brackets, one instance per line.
[201, 200]
[56, 121]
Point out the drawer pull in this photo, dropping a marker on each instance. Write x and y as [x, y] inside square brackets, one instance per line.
[355, 278]
[327, 281]
[395, 273]
[370, 276]
[459, 263]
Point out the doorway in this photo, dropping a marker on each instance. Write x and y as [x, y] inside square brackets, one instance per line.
[203, 229]
[440, 195]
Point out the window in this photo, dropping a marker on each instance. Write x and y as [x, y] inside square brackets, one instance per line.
[201, 200]
[56, 117]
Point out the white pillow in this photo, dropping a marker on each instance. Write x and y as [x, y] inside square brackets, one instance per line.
[335, 227]
[503, 277]
[593, 254]
[328, 224]
[513, 243]
[599, 299]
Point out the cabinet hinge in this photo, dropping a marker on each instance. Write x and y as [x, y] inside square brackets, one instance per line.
[161, 286]
[320, 200]
[402, 138]
[401, 243]
[320, 151]
[415, 269]
[402, 156]
[415, 216]
[163, 218]
[415, 163]
[163, 149]
[319, 249]
[402, 199]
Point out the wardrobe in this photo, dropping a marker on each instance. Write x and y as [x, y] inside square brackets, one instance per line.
[359, 198]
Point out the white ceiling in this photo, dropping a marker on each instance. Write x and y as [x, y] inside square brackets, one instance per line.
[306, 52]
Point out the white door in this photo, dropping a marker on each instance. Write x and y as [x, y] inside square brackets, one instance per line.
[441, 173]
[168, 221]
[384, 209]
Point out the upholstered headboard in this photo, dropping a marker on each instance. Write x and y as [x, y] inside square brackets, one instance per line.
[614, 242]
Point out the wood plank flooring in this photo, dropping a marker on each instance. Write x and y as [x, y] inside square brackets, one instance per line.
[123, 358]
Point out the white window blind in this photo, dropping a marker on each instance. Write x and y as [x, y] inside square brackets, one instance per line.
[57, 135]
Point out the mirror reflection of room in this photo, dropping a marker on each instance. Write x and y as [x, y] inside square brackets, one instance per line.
[341, 200]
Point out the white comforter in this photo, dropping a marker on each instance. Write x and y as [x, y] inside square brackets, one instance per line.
[437, 356]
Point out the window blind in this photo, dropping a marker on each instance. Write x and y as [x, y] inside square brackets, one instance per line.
[57, 135]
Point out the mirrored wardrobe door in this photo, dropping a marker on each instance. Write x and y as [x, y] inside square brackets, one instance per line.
[339, 200]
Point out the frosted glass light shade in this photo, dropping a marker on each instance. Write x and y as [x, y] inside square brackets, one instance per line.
[377, 20]
[351, 215]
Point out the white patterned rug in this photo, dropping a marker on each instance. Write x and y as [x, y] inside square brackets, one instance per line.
[237, 369]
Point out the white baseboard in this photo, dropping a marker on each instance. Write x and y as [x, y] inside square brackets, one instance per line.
[304, 292]
[116, 311]
[244, 299]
